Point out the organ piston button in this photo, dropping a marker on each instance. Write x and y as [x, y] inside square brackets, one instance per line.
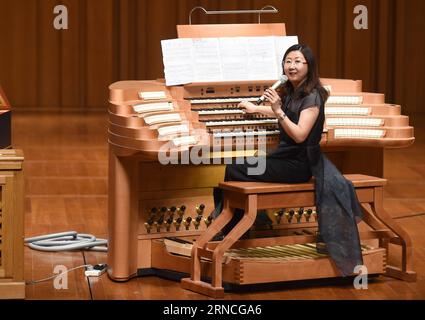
[279, 214]
[299, 214]
[197, 221]
[208, 220]
[308, 214]
[289, 215]
[181, 210]
[160, 221]
[187, 222]
[178, 222]
[200, 209]
[151, 220]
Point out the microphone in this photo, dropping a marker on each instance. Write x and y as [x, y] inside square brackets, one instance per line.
[277, 84]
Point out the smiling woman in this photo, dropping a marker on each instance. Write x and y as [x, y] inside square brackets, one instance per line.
[300, 110]
[295, 67]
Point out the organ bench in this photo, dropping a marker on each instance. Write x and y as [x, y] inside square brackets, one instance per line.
[216, 259]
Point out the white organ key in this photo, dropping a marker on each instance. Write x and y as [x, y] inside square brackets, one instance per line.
[170, 130]
[352, 111]
[245, 133]
[171, 117]
[220, 111]
[223, 100]
[353, 100]
[359, 133]
[239, 122]
[185, 141]
[359, 122]
[150, 107]
[152, 95]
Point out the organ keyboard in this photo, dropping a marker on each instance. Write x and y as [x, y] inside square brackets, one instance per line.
[348, 116]
[145, 116]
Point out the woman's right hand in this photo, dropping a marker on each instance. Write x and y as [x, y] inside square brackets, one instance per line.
[248, 107]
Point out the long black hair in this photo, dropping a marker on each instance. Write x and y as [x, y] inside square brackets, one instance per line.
[312, 81]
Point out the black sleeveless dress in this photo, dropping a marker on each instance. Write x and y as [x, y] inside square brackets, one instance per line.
[289, 162]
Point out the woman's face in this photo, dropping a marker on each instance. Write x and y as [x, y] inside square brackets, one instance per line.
[295, 67]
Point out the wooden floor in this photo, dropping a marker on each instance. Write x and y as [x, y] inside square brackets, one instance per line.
[66, 189]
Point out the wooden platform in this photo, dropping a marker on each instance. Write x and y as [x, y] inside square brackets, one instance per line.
[66, 184]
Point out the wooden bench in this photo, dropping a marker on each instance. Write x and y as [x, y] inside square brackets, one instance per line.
[253, 196]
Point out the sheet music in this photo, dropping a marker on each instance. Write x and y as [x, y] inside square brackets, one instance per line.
[262, 58]
[234, 58]
[178, 67]
[206, 60]
[224, 59]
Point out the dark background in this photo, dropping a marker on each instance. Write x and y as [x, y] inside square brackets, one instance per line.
[109, 40]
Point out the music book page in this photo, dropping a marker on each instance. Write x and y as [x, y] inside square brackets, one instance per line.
[234, 58]
[177, 58]
[206, 60]
[262, 58]
[224, 59]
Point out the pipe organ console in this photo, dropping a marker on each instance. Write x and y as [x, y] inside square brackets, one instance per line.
[5, 121]
[149, 201]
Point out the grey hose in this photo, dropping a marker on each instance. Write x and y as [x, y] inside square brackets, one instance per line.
[65, 241]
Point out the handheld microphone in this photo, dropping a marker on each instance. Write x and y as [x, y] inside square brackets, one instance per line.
[277, 84]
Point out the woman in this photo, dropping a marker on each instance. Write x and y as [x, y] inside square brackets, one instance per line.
[300, 112]
[299, 109]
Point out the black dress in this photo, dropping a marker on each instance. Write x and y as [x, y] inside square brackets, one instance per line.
[337, 206]
[289, 162]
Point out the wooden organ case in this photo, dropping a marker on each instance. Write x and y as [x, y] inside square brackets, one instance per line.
[149, 202]
[12, 284]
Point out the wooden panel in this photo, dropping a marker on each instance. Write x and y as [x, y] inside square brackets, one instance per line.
[99, 51]
[307, 25]
[18, 47]
[12, 283]
[258, 272]
[232, 30]
[169, 177]
[107, 41]
[409, 77]
[359, 46]
[127, 44]
[49, 57]
[328, 51]
[73, 82]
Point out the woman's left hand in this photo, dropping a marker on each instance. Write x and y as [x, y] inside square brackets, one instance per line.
[273, 97]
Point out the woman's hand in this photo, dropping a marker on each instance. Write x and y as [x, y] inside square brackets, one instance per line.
[273, 97]
[248, 107]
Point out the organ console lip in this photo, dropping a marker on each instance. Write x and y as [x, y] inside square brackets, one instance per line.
[149, 133]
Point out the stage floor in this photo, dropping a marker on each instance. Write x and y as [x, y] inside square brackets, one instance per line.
[66, 168]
